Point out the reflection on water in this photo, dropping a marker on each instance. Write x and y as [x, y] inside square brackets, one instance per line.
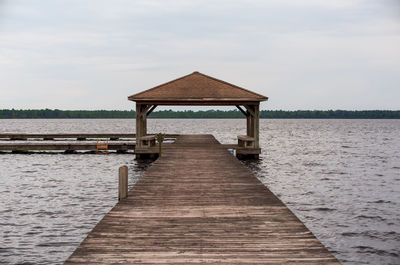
[340, 177]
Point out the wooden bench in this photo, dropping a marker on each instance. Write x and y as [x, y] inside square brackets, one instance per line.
[246, 141]
[148, 141]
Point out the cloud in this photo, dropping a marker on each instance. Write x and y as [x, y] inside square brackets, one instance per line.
[303, 54]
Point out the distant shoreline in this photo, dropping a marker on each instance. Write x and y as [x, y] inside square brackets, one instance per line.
[188, 114]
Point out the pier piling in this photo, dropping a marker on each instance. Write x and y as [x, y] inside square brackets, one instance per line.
[122, 182]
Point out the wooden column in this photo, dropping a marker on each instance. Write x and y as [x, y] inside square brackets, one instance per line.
[138, 127]
[142, 111]
[253, 123]
[140, 123]
[248, 124]
[256, 125]
[248, 119]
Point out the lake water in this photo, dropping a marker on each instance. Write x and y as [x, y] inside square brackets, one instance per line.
[340, 177]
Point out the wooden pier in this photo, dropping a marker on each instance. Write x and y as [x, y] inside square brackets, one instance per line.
[77, 136]
[199, 204]
[67, 147]
[68, 142]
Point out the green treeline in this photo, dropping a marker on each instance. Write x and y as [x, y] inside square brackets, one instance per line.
[188, 114]
[65, 114]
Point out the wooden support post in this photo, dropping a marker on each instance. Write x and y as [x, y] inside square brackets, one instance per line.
[250, 109]
[141, 124]
[257, 125]
[160, 139]
[250, 120]
[151, 110]
[142, 111]
[253, 123]
[248, 125]
[138, 124]
[144, 124]
[242, 110]
[122, 183]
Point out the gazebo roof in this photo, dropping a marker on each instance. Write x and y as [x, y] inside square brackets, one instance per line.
[197, 89]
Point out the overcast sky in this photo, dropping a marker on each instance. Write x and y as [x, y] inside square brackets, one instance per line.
[309, 54]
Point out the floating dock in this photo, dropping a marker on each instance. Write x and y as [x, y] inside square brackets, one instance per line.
[199, 204]
[68, 142]
[54, 136]
[67, 147]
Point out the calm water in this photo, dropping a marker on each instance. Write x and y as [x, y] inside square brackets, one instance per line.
[340, 177]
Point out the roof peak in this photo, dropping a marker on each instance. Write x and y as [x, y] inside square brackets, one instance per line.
[200, 88]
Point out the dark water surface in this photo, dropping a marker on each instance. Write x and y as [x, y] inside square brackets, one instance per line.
[340, 177]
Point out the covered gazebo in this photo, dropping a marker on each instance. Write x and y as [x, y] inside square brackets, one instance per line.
[199, 89]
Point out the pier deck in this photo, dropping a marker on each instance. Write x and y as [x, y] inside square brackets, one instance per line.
[77, 136]
[68, 142]
[198, 204]
[68, 147]
[53, 136]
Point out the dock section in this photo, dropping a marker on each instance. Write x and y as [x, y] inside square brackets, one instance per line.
[69, 142]
[77, 136]
[54, 136]
[67, 147]
[198, 204]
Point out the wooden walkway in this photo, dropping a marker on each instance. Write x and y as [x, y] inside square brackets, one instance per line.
[67, 147]
[77, 136]
[198, 204]
[68, 142]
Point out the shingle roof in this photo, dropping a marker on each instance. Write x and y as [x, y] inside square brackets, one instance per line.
[197, 88]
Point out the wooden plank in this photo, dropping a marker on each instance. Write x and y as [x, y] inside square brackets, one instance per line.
[37, 146]
[148, 137]
[242, 111]
[248, 151]
[72, 135]
[245, 138]
[198, 204]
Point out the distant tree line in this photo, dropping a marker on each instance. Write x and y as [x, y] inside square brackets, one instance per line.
[65, 114]
[188, 114]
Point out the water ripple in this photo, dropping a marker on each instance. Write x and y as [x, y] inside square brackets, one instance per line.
[340, 177]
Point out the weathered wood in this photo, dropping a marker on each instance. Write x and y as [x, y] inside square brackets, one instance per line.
[253, 123]
[257, 125]
[148, 141]
[122, 182]
[149, 137]
[197, 89]
[151, 110]
[248, 151]
[52, 136]
[202, 102]
[140, 122]
[246, 141]
[250, 109]
[245, 138]
[242, 111]
[198, 204]
[37, 146]
[160, 140]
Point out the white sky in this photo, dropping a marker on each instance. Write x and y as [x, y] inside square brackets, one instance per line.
[310, 54]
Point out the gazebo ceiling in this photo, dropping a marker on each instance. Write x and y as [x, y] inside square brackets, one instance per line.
[197, 89]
